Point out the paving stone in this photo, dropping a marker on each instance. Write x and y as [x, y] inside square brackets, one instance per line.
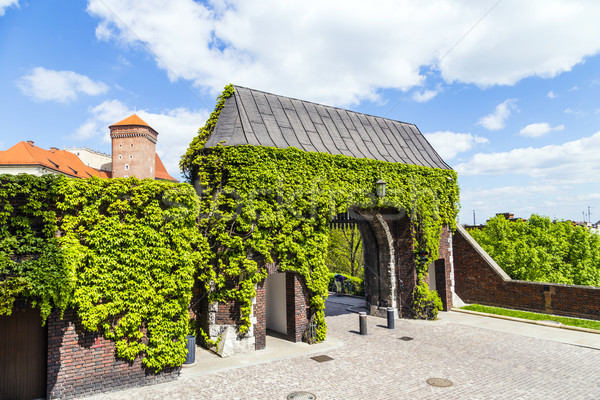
[481, 363]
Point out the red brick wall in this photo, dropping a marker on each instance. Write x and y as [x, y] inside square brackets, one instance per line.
[478, 282]
[260, 312]
[82, 364]
[298, 311]
[443, 269]
[136, 151]
[405, 262]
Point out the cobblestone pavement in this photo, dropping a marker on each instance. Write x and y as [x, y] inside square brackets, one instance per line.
[481, 363]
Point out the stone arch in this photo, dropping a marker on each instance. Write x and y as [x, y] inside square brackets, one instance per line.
[379, 249]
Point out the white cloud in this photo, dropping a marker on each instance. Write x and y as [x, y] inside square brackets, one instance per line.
[551, 95]
[571, 162]
[48, 85]
[577, 113]
[176, 128]
[345, 51]
[4, 4]
[102, 116]
[424, 96]
[449, 144]
[497, 120]
[539, 129]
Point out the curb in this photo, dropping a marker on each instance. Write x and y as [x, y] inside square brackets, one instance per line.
[529, 321]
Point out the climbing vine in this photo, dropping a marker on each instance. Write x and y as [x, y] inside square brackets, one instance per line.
[121, 252]
[263, 205]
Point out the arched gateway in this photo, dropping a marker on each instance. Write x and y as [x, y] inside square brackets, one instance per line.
[268, 208]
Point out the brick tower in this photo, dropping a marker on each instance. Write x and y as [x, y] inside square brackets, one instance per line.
[133, 148]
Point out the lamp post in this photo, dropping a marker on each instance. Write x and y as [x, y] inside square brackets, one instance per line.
[380, 188]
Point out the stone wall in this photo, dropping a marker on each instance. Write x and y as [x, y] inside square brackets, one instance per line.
[444, 269]
[81, 364]
[405, 263]
[480, 280]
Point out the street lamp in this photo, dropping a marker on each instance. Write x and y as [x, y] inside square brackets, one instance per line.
[380, 188]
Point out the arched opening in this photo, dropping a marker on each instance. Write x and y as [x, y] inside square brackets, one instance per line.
[383, 235]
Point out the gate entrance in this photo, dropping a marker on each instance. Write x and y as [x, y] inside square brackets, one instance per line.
[23, 355]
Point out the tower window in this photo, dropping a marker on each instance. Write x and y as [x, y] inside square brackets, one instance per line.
[131, 144]
[120, 145]
[120, 156]
[130, 157]
[126, 167]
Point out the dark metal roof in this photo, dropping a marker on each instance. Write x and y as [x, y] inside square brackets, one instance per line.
[264, 119]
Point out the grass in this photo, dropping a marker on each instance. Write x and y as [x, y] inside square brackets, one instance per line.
[582, 323]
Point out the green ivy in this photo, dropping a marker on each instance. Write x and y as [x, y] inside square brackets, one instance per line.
[264, 205]
[121, 252]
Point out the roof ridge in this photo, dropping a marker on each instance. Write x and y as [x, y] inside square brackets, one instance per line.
[321, 104]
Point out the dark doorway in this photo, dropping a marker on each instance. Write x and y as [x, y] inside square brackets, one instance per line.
[23, 355]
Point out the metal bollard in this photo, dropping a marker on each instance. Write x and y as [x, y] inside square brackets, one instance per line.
[362, 321]
[390, 318]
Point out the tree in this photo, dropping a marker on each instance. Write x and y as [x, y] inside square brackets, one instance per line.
[541, 250]
[345, 253]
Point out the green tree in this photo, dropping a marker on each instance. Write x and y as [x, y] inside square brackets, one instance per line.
[541, 250]
[344, 252]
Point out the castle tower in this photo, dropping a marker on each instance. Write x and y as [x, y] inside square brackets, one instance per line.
[133, 148]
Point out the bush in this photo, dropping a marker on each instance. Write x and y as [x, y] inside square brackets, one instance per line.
[352, 285]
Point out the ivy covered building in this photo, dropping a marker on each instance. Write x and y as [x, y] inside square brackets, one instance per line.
[273, 173]
[121, 270]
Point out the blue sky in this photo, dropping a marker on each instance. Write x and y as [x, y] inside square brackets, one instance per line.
[506, 91]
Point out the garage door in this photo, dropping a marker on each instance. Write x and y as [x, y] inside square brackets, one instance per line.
[23, 354]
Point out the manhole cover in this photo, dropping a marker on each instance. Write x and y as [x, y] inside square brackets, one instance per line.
[405, 338]
[301, 396]
[439, 382]
[322, 358]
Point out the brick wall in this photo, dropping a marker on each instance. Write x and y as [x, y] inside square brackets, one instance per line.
[443, 269]
[405, 263]
[260, 312]
[298, 311]
[480, 280]
[82, 363]
[133, 147]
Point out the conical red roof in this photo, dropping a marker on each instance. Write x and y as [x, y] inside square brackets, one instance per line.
[132, 120]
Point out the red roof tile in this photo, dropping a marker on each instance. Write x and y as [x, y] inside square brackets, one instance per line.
[132, 120]
[62, 161]
[161, 171]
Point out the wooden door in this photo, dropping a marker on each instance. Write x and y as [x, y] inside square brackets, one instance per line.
[23, 356]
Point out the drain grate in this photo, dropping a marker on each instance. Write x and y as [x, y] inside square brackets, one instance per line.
[322, 358]
[301, 396]
[439, 382]
[405, 338]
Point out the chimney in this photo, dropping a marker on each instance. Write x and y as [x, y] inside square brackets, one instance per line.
[30, 142]
[53, 149]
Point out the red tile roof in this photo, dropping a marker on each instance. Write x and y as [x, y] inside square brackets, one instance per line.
[161, 171]
[132, 120]
[25, 153]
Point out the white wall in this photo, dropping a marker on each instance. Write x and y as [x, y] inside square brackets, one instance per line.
[432, 283]
[32, 169]
[276, 304]
[92, 158]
